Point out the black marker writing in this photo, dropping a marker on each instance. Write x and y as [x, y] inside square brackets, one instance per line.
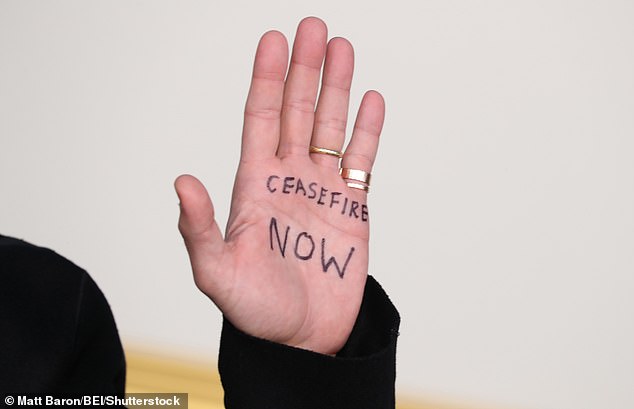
[312, 246]
[322, 193]
[304, 248]
[268, 183]
[322, 196]
[272, 226]
[312, 190]
[300, 185]
[364, 213]
[288, 184]
[331, 261]
[353, 209]
[333, 198]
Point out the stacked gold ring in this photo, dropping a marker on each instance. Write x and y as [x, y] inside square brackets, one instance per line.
[354, 176]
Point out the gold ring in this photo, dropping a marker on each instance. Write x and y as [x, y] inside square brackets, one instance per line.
[358, 186]
[355, 174]
[325, 151]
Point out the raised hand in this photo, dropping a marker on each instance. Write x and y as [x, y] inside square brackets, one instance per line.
[293, 263]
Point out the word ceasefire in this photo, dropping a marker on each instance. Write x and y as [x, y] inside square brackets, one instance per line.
[320, 195]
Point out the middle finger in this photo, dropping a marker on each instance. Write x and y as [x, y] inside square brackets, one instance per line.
[332, 109]
[300, 91]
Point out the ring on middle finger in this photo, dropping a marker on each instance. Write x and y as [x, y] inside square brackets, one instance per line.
[325, 151]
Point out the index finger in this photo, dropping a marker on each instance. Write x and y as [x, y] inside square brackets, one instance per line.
[261, 131]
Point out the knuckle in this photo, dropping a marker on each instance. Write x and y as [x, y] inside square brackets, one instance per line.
[358, 160]
[332, 123]
[262, 113]
[303, 105]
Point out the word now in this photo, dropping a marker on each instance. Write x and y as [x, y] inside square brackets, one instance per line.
[304, 248]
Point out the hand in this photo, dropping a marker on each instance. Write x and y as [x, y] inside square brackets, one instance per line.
[293, 264]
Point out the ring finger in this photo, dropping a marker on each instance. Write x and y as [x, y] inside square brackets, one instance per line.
[361, 151]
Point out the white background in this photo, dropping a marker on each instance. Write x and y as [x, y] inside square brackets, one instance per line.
[503, 195]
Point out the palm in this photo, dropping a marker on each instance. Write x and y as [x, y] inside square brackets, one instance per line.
[281, 234]
[293, 263]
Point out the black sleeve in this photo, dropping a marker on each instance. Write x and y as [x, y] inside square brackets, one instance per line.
[259, 374]
[57, 333]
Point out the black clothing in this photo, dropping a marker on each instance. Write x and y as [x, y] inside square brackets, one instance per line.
[256, 373]
[57, 334]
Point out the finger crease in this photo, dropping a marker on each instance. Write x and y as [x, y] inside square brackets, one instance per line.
[263, 113]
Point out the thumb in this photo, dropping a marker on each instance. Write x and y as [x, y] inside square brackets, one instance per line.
[198, 227]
